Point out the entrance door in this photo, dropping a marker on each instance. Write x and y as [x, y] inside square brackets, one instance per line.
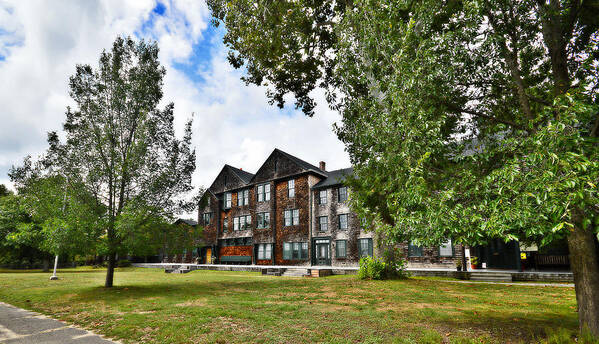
[209, 255]
[322, 250]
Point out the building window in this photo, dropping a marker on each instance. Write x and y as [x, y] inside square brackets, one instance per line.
[342, 194]
[341, 247]
[264, 192]
[414, 250]
[262, 220]
[264, 251]
[291, 217]
[322, 197]
[323, 223]
[241, 223]
[365, 247]
[243, 197]
[227, 200]
[446, 250]
[235, 223]
[343, 221]
[291, 188]
[206, 218]
[295, 250]
[225, 224]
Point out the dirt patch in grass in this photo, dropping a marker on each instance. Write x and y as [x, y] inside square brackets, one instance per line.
[192, 303]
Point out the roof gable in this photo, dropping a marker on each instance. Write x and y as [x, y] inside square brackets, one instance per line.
[280, 164]
[230, 178]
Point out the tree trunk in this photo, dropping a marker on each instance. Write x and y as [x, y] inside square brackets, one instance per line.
[110, 270]
[584, 261]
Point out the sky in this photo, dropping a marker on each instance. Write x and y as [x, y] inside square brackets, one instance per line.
[41, 42]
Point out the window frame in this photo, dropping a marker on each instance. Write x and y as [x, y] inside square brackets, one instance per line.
[320, 223]
[264, 194]
[450, 243]
[263, 220]
[266, 252]
[415, 250]
[290, 214]
[369, 247]
[291, 188]
[320, 197]
[337, 255]
[228, 200]
[204, 222]
[346, 217]
[295, 250]
[345, 193]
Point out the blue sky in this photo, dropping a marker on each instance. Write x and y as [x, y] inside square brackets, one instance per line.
[41, 42]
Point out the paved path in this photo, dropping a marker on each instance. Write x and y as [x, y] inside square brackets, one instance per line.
[21, 326]
[560, 285]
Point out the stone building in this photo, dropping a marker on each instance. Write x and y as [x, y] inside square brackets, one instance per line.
[291, 212]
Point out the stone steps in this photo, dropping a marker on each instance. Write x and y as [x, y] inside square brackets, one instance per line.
[491, 276]
[293, 272]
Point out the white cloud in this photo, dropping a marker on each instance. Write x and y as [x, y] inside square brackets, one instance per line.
[233, 123]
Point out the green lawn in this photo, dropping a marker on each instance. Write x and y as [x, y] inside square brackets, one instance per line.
[149, 306]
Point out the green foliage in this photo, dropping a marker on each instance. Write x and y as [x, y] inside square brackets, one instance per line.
[382, 268]
[121, 173]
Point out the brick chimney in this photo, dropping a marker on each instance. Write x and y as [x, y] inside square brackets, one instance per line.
[323, 166]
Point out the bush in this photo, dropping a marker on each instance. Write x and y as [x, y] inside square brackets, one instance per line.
[372, 268]
[123, 263]
[391, 266]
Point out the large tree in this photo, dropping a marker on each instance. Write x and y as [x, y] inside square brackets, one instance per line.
[465, 119]
[122, 148]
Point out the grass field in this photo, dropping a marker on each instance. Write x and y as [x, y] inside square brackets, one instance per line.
[149, 306]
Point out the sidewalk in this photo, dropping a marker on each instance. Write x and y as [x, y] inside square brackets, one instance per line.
[20, 326]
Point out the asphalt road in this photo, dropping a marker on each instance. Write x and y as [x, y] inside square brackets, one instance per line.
[21, 326]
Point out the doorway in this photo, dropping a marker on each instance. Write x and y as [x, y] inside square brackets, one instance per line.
[322, 252]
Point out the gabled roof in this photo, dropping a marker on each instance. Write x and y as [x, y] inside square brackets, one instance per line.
[221, 183]
[301, 167]
[246, 177]
[187, 221]
[335, 177]
[302, 163]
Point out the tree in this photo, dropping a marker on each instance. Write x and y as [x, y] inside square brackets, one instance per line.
[62, 216]
[464, 119]
[4, 191]
[121, 148]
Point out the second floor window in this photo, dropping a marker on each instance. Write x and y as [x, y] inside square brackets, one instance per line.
[206, 218]
[342, 197]
[323, 223]
[227, 200]
[263, 192]
[291, 188]
[343, 221]
[291, 217]
[262, 220]
[322, 197]
[243, 197]
[241, 223]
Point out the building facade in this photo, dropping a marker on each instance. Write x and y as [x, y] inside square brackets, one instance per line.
[291, 212]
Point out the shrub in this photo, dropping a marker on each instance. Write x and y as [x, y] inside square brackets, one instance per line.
[123, 263]
[372, 268]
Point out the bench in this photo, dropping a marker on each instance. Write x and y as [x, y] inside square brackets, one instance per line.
[546, 259]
